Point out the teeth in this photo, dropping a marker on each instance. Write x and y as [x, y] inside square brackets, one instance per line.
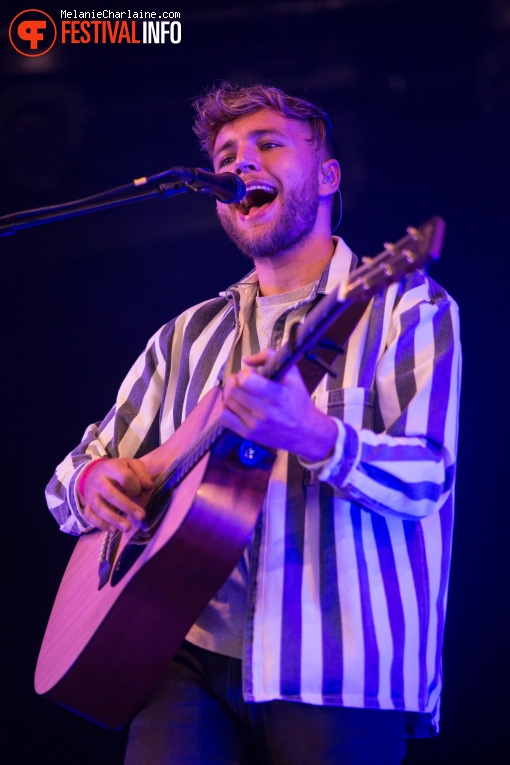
[262, 187]
[246, 203]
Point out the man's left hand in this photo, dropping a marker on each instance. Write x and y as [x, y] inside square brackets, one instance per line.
[278, 415]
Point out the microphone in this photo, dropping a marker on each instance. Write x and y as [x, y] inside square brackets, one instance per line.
[226, 187]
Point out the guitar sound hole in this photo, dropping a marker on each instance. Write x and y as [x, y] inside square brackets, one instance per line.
[128, 557]
[155, 509]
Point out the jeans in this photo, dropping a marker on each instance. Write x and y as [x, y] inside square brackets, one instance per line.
[197, 715]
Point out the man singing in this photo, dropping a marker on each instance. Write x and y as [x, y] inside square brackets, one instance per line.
[324, 644]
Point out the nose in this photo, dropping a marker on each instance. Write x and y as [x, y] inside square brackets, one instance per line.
[246, 161]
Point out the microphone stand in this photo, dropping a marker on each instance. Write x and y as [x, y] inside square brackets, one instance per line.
[10, 224]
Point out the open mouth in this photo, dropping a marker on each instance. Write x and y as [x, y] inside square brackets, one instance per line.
[259, 196]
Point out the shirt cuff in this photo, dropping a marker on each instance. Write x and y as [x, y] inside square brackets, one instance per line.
[74, 501]
[325, 467]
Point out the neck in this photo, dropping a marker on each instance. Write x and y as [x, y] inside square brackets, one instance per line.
[291, 269]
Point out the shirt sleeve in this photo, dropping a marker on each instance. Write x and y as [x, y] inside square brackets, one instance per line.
[130, 429]
[408, 469]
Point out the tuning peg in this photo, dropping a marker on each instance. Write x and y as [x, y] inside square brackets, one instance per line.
[390, 247]
[322, 364]
[360, 283]
[367, 261]
[413, 233]
[388, 270]
[409, 255]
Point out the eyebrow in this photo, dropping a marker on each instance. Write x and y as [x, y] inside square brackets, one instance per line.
[252, 134]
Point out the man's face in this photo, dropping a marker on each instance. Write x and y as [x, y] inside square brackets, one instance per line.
[279, 164]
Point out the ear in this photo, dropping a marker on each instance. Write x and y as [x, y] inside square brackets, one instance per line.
[329, 177]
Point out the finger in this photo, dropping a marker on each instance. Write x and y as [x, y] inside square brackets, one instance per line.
[118, 500]
[242, 406]
[103, 517]
[141, 474]
[255, 406]
[257, 359]
[232, 421]
[121, 471]
[256, 384]
[248, 379]
[237, 385]
[125, 474]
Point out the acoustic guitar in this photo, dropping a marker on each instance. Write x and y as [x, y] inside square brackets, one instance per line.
[127, 601]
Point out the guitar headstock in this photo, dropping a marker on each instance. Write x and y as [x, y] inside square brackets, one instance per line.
[413, 251]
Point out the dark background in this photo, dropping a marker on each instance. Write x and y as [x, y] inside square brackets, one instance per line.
[419, 95]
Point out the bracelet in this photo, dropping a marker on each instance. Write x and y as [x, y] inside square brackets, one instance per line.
[84, 474]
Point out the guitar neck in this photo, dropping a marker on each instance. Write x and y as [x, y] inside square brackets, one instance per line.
[410, 253]
[413, 251]
[306, 335]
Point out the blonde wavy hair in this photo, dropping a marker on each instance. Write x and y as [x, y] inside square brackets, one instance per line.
[226, 102]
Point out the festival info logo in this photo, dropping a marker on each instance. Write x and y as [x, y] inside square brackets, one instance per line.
[32, 32]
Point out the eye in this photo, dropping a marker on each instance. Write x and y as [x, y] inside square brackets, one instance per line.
[269, 145]
[226, 161]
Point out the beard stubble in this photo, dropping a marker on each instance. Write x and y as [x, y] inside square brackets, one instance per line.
[295, 222]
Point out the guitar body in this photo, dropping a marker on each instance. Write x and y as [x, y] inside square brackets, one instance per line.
[104, 649]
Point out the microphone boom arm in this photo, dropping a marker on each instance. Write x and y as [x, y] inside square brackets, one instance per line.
[181, 179]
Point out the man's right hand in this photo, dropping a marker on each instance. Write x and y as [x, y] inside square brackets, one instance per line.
[110, 491]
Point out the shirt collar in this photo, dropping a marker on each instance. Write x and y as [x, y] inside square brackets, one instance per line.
[337, 271]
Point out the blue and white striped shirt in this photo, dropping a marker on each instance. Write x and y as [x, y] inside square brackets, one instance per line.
[349, 570]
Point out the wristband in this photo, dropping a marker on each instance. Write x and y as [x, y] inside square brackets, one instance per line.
[84, 474]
